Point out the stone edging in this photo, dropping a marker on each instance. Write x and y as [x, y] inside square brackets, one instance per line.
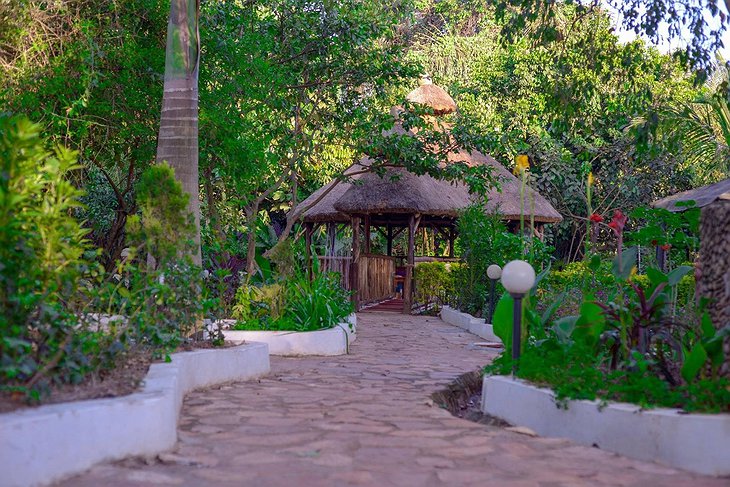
[696, 442]
[475, 326]
[45, 444]
[331, 341]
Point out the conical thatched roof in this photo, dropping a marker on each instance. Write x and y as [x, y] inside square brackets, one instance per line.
[402, 192]
[702, 196]
[433, 96]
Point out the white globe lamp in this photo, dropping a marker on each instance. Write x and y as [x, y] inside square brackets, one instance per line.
[494, 272]
[518, 277]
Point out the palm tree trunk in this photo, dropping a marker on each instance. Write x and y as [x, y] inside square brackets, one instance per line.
[177, 142]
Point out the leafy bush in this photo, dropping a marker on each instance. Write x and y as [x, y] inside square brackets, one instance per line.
[43, 257]
[162, 295]
[433, 281]
[294, 303]
[625, 344]
[61, 317]
[484, 240]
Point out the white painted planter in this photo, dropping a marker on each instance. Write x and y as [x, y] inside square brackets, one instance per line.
[696, 442]
[475, 326]
[42, 445]
[332, 341]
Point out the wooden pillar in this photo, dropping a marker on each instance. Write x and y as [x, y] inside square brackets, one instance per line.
[308, 230]
[354, 274]
[452, 237]
[390, 240]
[366, 221]
[331, 238]
[413, 221]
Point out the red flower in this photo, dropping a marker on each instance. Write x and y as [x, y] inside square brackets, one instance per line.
[665, 247]
[654, 243]
[618, 222]
[596, 218]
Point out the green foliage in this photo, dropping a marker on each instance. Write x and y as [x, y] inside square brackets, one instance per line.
[484, 240]
[47, 276]
[623, 345]
[567, 106]
[293, 302]
[163, 228]
[660, 227]
[433, 281]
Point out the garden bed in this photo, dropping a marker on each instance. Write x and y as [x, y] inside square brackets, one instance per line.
[475, 326]
[696, 442]
[330, 341]
[44, 444]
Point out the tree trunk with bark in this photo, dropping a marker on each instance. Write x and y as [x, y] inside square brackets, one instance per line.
[177, 143]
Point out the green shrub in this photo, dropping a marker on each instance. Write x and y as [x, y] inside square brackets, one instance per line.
[433, 280]
[484, 240]
[294, 303]
[42, 262]
[163, 292]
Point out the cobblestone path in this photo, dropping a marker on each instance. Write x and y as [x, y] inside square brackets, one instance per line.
[366, 419]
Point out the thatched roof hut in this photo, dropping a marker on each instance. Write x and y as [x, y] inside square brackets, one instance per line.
[408, 202]
[702, 196]
[402, 192]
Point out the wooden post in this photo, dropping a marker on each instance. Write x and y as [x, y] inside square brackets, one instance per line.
[354, 277]
[390, 240]
[366, 248]
[413, 221]
[452, 237]
[308, 230]
[331, 238]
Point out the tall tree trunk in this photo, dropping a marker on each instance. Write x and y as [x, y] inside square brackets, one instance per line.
[178, 138]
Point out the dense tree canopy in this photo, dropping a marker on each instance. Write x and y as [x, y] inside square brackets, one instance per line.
[293, 92]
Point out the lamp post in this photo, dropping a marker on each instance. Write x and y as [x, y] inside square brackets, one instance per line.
[494, 272]
[518, 277]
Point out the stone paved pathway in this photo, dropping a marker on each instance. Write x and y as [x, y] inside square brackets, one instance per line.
[366, 419]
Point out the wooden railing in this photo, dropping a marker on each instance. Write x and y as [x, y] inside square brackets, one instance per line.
[341, 265]
[375, 277]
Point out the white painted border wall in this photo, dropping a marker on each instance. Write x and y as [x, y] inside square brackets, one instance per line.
[696, 442]
[332, 341]
[475, 326]
[45, 444]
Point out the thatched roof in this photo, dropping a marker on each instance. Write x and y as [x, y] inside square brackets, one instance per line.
[433, 96]
[702, 196]
[402, 192]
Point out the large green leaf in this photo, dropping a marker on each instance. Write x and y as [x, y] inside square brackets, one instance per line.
[564, 327]
[694, 362]
[502, 321]
[656, 276]
[622, 269]
[591, 322]
[677, 274]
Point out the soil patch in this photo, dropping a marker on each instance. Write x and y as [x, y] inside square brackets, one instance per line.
[462, 398]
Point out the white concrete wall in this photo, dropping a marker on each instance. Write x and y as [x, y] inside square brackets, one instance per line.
[332, 341]
[476, 326]
[44, 444]
[696, 442]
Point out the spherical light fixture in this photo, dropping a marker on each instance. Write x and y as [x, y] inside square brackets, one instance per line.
[518, 277]
[494, 271]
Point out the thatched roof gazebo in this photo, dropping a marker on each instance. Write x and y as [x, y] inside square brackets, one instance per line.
[401, 200]
[714, 261]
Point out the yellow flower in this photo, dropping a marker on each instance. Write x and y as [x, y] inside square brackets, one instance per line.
[522, 164]
[634, 271]
[590, 178]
